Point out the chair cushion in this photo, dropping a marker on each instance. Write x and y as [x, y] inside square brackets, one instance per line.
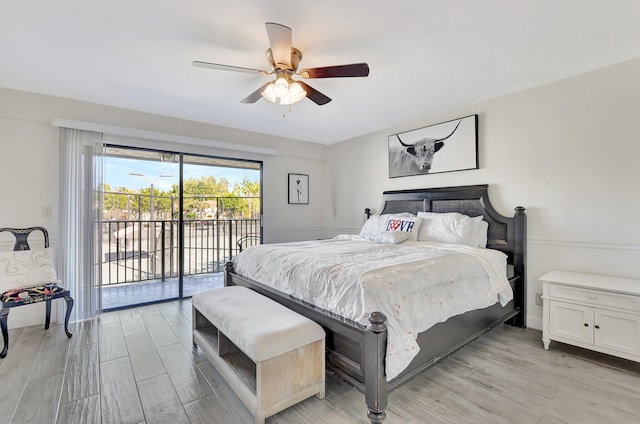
[28, 295]
[26, 268]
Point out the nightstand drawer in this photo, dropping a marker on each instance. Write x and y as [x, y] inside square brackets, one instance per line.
[595, 297]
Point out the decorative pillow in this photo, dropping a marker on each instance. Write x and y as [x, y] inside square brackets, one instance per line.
[26, 268]
[408, 224]
[376, 224]
[391, 237]
[451, 227]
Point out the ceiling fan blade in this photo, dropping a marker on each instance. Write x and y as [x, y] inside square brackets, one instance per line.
[314, 95]
[255, 96]
[220, 67]
[339, 71]
[280, 41]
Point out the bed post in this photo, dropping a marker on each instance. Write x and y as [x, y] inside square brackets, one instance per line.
[376, 392]
[519, 265]
[228, 269]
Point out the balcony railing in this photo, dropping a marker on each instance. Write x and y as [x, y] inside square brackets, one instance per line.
[142, 250]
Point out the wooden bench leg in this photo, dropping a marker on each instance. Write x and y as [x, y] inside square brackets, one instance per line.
[4, 314]
[69, 301]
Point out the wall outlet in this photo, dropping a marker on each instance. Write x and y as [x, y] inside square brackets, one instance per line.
[539, 299]
[47, 211]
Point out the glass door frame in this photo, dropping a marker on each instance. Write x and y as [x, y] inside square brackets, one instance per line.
[181, 221]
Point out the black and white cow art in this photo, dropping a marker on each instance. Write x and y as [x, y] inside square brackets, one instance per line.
[416, 158]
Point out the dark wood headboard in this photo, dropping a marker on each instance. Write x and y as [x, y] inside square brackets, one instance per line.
[507, 234]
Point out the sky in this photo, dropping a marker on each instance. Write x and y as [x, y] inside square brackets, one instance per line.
[117, 173]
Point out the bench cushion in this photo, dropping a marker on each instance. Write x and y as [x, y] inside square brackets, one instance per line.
[257, 325]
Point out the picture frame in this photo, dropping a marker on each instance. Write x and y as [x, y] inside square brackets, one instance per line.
[298, 189]
[444, 147]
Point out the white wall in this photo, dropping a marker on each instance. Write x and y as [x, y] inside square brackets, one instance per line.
[29, 182]
[29, 168]
[567, 151]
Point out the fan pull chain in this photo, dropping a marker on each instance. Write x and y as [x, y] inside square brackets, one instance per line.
[284, 111]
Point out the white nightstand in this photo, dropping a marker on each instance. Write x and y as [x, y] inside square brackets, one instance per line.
[592, 311]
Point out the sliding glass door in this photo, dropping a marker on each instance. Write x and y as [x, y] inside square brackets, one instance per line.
[220, 207]
[171, 221]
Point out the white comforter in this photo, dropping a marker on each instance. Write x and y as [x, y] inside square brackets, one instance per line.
[415, 284]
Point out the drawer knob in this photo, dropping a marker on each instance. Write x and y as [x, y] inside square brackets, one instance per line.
[592, 296]
[586, 325]
[597, 327]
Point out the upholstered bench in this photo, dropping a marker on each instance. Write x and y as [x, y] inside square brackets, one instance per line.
[271, 356]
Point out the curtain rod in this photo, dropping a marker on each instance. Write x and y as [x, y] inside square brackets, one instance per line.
[160, 136]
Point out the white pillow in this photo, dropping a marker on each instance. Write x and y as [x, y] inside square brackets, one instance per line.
[26, 268]
[376, 224]
[372, 226]
[408, 224]
[451, 227]
[454, 227]
[391, 237]
[480, 230]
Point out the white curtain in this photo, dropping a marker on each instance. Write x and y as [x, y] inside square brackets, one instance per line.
[80, 243]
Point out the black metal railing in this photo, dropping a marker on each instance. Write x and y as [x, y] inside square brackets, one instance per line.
[140, 250]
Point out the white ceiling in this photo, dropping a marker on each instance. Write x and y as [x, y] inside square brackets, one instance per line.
[425, 56]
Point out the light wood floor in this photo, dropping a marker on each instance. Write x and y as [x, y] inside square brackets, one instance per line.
[138, 365]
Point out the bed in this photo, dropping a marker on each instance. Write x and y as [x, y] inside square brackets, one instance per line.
[357, 351]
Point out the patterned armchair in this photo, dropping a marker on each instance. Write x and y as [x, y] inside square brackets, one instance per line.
[28, 276]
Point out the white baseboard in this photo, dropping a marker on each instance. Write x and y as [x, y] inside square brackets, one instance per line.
[534, 322]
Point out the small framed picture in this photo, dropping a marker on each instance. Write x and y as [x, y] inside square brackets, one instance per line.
[298, 189]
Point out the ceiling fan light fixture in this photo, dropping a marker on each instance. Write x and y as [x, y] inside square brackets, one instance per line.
[281, 87]
[270, 94]
[294, 93]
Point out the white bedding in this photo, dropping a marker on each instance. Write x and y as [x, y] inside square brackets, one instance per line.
[415, 284]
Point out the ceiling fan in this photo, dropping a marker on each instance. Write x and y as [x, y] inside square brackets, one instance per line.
[283, 62]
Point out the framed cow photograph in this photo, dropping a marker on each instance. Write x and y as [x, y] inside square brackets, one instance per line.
[445, 147]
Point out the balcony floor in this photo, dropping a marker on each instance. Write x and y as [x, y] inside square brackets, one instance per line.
[130, 294]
